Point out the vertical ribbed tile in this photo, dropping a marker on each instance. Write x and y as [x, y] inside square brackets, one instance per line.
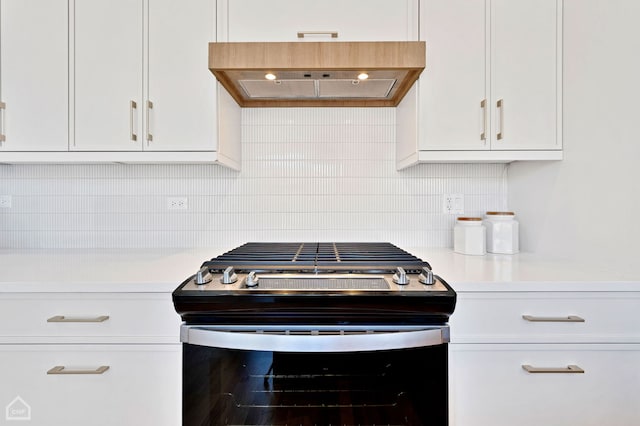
[307, 174]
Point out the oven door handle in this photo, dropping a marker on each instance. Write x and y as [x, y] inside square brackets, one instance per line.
[313, 340]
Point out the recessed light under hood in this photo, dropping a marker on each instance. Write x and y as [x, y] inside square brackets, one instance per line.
[309, 74]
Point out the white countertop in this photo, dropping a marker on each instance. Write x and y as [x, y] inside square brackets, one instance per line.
[144, 270]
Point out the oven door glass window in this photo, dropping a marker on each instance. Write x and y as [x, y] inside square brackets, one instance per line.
[240, 387]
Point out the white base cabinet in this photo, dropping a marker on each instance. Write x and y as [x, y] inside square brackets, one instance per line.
[545, 358]
[490, 386]
[141, 387]
[99, 359]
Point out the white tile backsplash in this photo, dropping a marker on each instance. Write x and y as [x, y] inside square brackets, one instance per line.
[307, 174]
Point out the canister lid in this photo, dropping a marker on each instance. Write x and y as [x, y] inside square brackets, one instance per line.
[471, 219]
[500, 213]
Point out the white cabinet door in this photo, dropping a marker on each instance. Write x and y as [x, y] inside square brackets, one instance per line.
[181, 87]
[34, 64]
[141, 387]
[489, 387]
[108, 75]
[352, 20]
[452, 90]
[524, 74]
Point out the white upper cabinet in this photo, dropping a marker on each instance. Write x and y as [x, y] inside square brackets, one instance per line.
[34, 90]
[108, 75]
[182, 90]
[491, 90]
[525, 74]
[327, 20]
[140, 88]
[454, 84]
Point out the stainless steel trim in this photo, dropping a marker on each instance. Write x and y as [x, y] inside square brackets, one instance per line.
[500, 106]
[132, 107]
[59, 369]
[149, 134]
[3, 137]
[569, 318]
[302, 34]
[62, 318]
[314, 339]
[483, 105]
[571, 369]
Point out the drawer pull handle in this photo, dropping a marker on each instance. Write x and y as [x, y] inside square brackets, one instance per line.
[62, 318]
[303, 34]
[571, 369]
[59, 369]
[569, 318]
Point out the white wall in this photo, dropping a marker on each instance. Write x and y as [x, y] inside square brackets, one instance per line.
[589, 203]
[307, 174]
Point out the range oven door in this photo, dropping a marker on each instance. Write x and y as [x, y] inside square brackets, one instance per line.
[276, 375]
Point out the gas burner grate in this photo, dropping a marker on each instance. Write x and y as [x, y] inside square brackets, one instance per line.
[318, 256]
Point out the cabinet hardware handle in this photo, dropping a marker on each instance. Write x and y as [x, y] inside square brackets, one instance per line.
[62, 318]
[571, 369]
[483, 105]
[500, 105]
[569, 318]
[303, 34]
[149, 134]
[3, 106]
[60, 369]
[132, 107]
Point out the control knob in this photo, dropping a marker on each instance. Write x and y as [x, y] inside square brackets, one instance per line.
[252, 279]
[203, 276]
[400, 277]
[426, 276]
[229, 276]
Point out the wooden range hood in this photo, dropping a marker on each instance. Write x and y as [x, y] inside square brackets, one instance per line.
[317, 74]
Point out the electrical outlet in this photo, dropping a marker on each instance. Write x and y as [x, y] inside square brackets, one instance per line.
[5, 201]
[177, 203]
[453, 203]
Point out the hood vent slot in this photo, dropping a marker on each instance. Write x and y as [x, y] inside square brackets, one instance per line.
[309, 74]
[314, 89]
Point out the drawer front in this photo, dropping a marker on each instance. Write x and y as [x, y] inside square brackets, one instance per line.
[88, 318]
[141, 386]
[546, 317]
[489, 386]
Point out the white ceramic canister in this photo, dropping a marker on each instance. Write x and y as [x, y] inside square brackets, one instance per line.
[469, 236]
[502, 232]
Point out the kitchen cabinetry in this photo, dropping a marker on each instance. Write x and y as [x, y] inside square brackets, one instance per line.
[339, 20]
[90, 358]
[142, 93]
[34, 95]
[532, 358]
[492, 88]
[168, 107]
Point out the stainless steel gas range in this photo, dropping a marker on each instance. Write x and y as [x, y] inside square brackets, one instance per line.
[315, 334]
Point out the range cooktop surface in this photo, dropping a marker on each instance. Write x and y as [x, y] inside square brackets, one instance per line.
[315, 282]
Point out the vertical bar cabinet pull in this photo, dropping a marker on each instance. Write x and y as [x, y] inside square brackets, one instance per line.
[483, 105]
[149, 134]
[500, 105]
[132, 108]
